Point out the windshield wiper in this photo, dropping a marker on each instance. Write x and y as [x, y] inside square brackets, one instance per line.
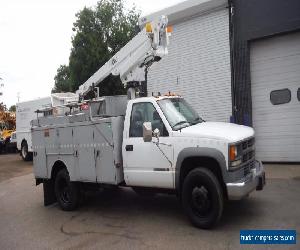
[197, 120]
[179, 123]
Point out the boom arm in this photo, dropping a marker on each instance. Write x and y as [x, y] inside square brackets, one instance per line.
[134, 58]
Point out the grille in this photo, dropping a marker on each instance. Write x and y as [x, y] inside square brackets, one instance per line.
[248, 143]
[248, 151]
[248, 167]
[248, 155]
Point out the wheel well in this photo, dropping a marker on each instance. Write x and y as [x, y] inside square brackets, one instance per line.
[58, 165]
[23, 141]
[206, 162]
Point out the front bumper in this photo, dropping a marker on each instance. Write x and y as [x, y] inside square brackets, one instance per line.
[254, 180]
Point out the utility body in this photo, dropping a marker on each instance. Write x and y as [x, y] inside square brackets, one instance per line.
[26, 112]
[156, 143]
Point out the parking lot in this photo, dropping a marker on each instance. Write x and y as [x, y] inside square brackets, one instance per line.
[124, 220]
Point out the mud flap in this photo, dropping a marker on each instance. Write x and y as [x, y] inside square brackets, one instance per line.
[49, 193]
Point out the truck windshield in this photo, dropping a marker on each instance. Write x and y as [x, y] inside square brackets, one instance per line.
[179, 113]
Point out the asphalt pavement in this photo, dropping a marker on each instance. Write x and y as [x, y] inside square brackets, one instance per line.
[124, 220]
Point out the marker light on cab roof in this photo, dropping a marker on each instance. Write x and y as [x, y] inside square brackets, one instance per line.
[169, 29]
[148, 28]
[171, 94]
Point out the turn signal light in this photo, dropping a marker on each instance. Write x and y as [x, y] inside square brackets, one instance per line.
[232, 153]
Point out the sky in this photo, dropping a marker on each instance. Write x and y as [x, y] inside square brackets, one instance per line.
[35, 38]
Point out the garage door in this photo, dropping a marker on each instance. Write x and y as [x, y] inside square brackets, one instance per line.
[275, 83]
[198, 65]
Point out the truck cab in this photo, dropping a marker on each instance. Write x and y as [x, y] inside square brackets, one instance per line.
[183, 148]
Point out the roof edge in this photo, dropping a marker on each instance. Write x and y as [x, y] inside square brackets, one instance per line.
[184, 9]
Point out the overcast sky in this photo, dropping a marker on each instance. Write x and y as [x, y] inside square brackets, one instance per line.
[35, 38]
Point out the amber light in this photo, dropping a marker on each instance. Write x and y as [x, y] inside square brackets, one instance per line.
[169, 29]
[171, 94]
[232, 153]
[148, 28]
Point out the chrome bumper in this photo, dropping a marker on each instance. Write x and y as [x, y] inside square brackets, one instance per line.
[255, 180]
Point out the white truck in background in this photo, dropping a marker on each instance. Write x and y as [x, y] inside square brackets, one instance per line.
[26, 112]
[156, 143]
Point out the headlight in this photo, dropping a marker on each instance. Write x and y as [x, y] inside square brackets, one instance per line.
[235, 156]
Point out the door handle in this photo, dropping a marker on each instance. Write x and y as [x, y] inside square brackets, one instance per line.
[129, 147]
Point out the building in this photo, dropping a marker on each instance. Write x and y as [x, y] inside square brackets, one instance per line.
[238, 61]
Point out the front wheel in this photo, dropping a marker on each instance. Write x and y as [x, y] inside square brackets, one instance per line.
[202, 198]
[67, 193]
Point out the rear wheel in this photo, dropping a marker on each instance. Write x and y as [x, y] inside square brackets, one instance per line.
[67, 193]
[202, 198]
[26, 156]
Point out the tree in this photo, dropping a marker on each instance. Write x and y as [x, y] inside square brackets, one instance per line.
[62, 80]
[12, 108]
[99, 33]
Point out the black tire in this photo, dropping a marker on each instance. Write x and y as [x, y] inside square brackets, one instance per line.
[7, 148]
[67, 193]
[26, 156]
[202, 198]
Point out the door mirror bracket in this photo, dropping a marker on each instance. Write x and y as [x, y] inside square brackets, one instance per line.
[147, 131]
[156, 134]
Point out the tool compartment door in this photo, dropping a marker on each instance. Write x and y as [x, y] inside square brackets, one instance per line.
[39, 155]
[84, 152]
[103, 140]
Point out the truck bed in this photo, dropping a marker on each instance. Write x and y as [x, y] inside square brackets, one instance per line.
[78, 141]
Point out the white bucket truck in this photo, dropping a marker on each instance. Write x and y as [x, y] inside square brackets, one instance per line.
[156, 143]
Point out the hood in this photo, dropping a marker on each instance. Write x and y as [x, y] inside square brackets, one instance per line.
[218, 130]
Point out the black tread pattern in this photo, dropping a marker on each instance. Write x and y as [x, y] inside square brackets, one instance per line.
[205, 176]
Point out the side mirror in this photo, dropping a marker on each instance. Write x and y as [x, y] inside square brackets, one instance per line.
[147, 131]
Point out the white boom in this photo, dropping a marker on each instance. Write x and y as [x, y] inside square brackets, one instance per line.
[134, 58]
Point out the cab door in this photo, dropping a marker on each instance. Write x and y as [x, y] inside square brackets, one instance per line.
[147, 164]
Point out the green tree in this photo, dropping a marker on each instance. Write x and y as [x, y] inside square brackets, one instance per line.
[62, 80]
[99, 33]
[12, 108]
